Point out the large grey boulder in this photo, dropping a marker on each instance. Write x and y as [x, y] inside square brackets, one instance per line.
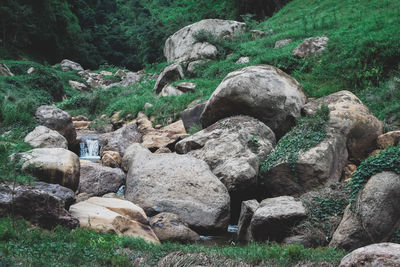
[4, 70]
[182, 46]
[58, 120]
[382, 254]
[35, 205]
[321, 164]
[274, 218]
[169, 75]
[375, 215]
[179, 184]
[43, 137]
[98, 180]
[247, 211]
[52, 165]
[169, 227]
[263, 92]
[311, 46]
[121, 139]
[232, 147]
[353, 119]
[68, 65]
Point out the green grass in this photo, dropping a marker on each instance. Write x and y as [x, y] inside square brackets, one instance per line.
[26, 245]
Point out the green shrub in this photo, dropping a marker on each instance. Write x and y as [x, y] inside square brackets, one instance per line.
[308, 132]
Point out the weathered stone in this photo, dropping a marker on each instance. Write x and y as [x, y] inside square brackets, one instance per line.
[376, 255]
[80, 118]
[68, 65]
[111, 159]
[120, 73]
[35, 205]
[122, 138]
[186, 87]
[114, 215]
[389, 139]
[31, 70]
[98, 180]
[296, 240]
[232, 148]
[282, 43]
[311, 46]
[43, 137]
[179, 184]
[169, 227]
[4, 70]
[263, 92]
[170, 90]
[52, 165]
[182, 46]
[350, 117]
[274, 218]
[247, 211]
[375, 215]
[243, 60]
[191, 115]
[163, 150]
[169, 75]
[257, 34]
[167, 136]
[58, 120]
[82, 125]
[79, 86]
[63, 193]
[322, 164]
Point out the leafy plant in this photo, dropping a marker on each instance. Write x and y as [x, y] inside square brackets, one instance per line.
[308, 132]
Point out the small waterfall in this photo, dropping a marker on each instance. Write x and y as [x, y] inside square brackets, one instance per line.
[89, 149]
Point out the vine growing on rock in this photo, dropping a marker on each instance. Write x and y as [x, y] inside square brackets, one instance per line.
[388, 160]
[308, 132]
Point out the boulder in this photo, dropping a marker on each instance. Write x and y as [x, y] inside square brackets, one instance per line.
[179, 184]
[389, 139]
[311, 46]
[353, 119]
[263, 92]
[81, 87]
[170, 90]
[120, 139]
[98, 180]
[232, 147]
[130, 153]
[374, 216]
[182, 46]
[63, 193]
[243, 60]
[186, 87]
[316, 167]
[169, 227]
[274, 218]
[167, 136]
[68, 65]
[114, 215]
[43, 137]
[247, 211]
[35, 205]
[111, 159]
[282, 43]
[170, 74]
[52, 165]
[58, 120]
[4, 70]
[31, 70]
[382, 254]
[82, 125]
[191, 115]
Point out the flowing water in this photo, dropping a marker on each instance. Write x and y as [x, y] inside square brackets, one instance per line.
[89, 149]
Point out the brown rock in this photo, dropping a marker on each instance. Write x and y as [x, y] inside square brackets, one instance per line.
[114, 215]
[376, 255]
[111, 159]
[169, 227]
[389, 139]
